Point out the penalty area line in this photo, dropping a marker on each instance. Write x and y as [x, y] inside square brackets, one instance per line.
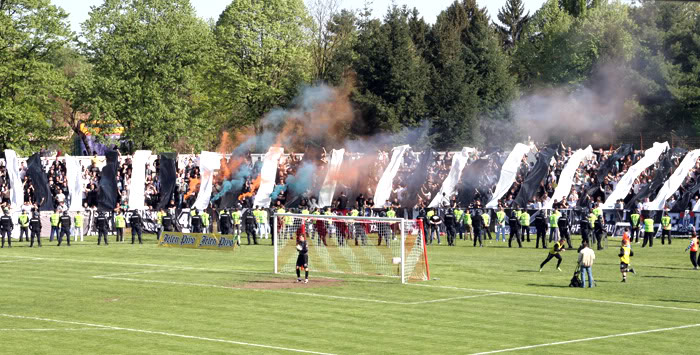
[588, 339]
[153, 332]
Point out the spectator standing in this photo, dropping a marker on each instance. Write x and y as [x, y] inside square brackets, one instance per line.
[586, 256]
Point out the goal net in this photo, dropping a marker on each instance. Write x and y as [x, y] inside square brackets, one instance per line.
[393, 247]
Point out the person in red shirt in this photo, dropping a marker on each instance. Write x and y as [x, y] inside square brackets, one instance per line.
[626, 236]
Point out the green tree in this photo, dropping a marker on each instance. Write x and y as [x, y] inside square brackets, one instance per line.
[147, 56]
[514, 19]
[392, 77]
[30, 31]
[264, 56]
[471, 82]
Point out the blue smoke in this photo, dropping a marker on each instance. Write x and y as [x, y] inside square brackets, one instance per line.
[276, 192]
[299, 183]
[234, 184]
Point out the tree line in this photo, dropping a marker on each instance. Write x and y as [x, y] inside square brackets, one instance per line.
[165, 79]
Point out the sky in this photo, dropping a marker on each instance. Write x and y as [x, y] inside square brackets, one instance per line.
[79, 9]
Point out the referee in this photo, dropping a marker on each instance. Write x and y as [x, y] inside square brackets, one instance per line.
[302, 259]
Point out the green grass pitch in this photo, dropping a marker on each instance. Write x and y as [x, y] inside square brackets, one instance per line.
[142, 299]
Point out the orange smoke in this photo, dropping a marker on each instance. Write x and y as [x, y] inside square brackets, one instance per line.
[193, 187]
[253, 189]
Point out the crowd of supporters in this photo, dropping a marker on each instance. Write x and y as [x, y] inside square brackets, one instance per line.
[359, 176]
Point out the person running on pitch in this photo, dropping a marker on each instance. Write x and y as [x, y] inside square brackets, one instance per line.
[302, 259]
[625, 255]
[693, 247]
[557, 248]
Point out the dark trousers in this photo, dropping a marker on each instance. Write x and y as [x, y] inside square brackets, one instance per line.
[478, 235]
[486, 232]
[35, 233]
[584, 236]
[667, 234]
[634, 237]
[250, 231]
[102, 234]
[54, 231]
[120, 234]
[648, 238]
[541, 234]
[63, 232]
[451, 235]
[550, 256]
[134, 232]
[7, 233]
[514, 234]
[564, 234]
[599, 239]
[24, 231]
[525, 230]
[694, 258]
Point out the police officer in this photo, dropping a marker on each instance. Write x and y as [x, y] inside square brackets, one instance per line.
[478, 226]
[6, 227]
[101, 226]
[136, 226]
[541, 226]
[514, 225]
[119, 225]
[563, 224]
[585, 228]
[251, 225]
[23, 222]
[224, 222]
[450, 224]
[64, 223]
[35, 227]
[196, 222]
[167, 222]
[598, 230]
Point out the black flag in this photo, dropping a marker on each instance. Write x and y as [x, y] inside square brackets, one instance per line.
[108, 193]
[168, 175]
[620, 153]
[534, 178]
[40, 182]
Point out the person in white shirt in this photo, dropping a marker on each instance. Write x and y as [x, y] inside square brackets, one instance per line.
[586, 256]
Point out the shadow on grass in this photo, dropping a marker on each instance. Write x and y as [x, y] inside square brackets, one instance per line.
[680, 301]
[544, 285]
[535, 271]
[661, 277]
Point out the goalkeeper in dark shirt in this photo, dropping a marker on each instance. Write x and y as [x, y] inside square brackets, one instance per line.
[302, 259]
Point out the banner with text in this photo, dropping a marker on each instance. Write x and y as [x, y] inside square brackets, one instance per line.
[211, 241]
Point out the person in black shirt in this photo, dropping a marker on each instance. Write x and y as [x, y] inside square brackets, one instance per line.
[563, 224]
[35, 227]
[360, 204]
[599, 230]
[251, 226]
[434, 221]
[136, 226]
[196, 222]
[342, 201]
[64, 223]
[302, 259]
[101, 226]
[585, 227]
[6, 227]
[478, 225]
[514, 225]
[541, 226]
[450, 223]
[225, 222]
[168, 222]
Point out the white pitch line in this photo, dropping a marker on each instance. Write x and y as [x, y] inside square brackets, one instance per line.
[566, 298]
[50, 330]
[109, 327]
[129, 273]
[588, 339]
[458, 298]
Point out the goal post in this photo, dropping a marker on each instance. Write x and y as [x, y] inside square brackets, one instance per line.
[377, 246]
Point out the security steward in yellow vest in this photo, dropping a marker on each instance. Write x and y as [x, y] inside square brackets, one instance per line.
[557, 248]
[23, 222]
[119, 225]
[635, 223]
[54, 224]
[666, 228]
[524, 225]
[648, 231]
[625, 257]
